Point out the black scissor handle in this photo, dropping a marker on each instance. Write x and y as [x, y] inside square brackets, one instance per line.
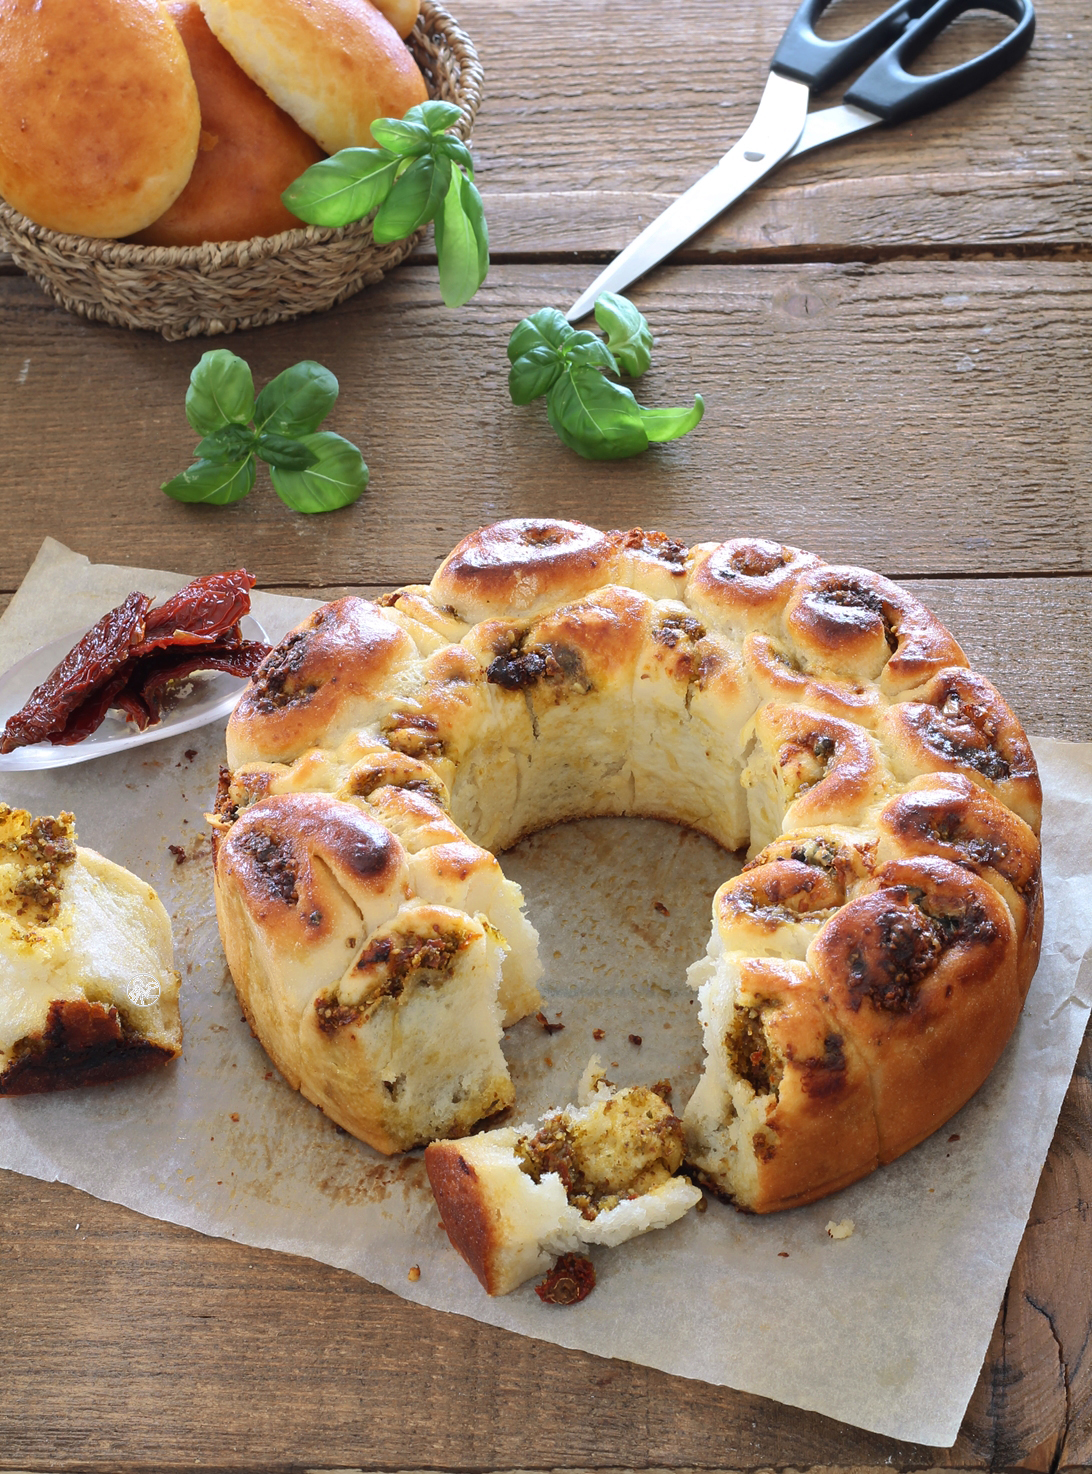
[894, 94]
[807, 57]
[900, 33]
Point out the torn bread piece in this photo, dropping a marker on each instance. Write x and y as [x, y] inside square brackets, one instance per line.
[782, 1114]
[88, 988]
[515, 1198]
[407, 1046]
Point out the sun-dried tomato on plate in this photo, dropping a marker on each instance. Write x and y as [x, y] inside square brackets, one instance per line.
[134, 655]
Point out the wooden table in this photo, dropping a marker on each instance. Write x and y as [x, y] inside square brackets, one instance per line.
[894, 341]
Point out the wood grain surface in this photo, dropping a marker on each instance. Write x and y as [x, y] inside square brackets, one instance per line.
[923, 418]
[894, 341]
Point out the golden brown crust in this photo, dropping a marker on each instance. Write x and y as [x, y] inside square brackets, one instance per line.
[946, 814]
[291, 857]
[960, 723]
[469, 1226]
[860, 624]
[745, 582]
[100, 120]
[820, 1135]
[922, 973]
[780, 676]
[325, 676]
[250, 151]
[334, 65]
[521, 567]
[83, 1043]
[832, 772]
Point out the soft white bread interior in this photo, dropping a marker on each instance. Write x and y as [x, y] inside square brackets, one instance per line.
[88, 988]
[513, 1199]
[333, 65]
[100, 121]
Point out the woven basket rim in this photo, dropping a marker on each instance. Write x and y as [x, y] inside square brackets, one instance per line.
[432, 18]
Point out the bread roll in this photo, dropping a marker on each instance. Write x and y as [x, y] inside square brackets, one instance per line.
[334, 65]
[250, 151]
[402, 14]
[100, 120]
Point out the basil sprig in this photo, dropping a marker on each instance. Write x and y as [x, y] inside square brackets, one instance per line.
[419, 172]
[594, 416]
[311, 470]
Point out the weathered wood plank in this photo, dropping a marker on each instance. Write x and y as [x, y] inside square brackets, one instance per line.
[921, 418]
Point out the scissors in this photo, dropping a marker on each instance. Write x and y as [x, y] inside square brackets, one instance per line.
[782, 128]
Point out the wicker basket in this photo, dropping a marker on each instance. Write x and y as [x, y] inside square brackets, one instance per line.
[198, 291]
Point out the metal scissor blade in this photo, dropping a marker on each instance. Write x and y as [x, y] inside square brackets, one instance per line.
[776, 128]
[831, 123]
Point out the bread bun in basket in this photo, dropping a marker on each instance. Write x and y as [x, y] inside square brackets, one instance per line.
[100, 120]
[333, 65]
[864, 971]
[250, 151]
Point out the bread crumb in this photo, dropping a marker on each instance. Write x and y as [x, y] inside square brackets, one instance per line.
[235, 1115]
[840, 1230]
[414, 1274]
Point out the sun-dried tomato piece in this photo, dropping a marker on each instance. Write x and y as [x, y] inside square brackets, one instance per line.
[236, 660]
[571, 1280]
[89, 664]
[89, 715]
[205, 610]
[127, 660]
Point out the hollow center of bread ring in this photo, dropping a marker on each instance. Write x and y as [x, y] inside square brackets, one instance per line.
[621, 907]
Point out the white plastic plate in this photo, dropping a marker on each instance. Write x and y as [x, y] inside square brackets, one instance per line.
[204, 698]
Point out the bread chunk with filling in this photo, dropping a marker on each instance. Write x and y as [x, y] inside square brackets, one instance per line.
[88, 988]
[864, 970]
[513, 1199]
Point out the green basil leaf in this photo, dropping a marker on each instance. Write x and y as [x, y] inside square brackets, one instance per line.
[213, 482]
[534, 373]
[342, 188]
[413, 201]
[456, 150]
[547, 325]
[221, 392]
[462, 241]
[628, 334]
[595, 417]
[297, 401]
[436, 116]
[336, 479]
[284, 452]
[585, 350]
[669, 424]
[229, 443]
[402, 136]
[475, 212]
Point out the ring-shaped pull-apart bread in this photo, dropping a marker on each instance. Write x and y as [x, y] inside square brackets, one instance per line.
[864, 970]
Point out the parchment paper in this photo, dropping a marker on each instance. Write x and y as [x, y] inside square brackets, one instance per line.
[886, 1329]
